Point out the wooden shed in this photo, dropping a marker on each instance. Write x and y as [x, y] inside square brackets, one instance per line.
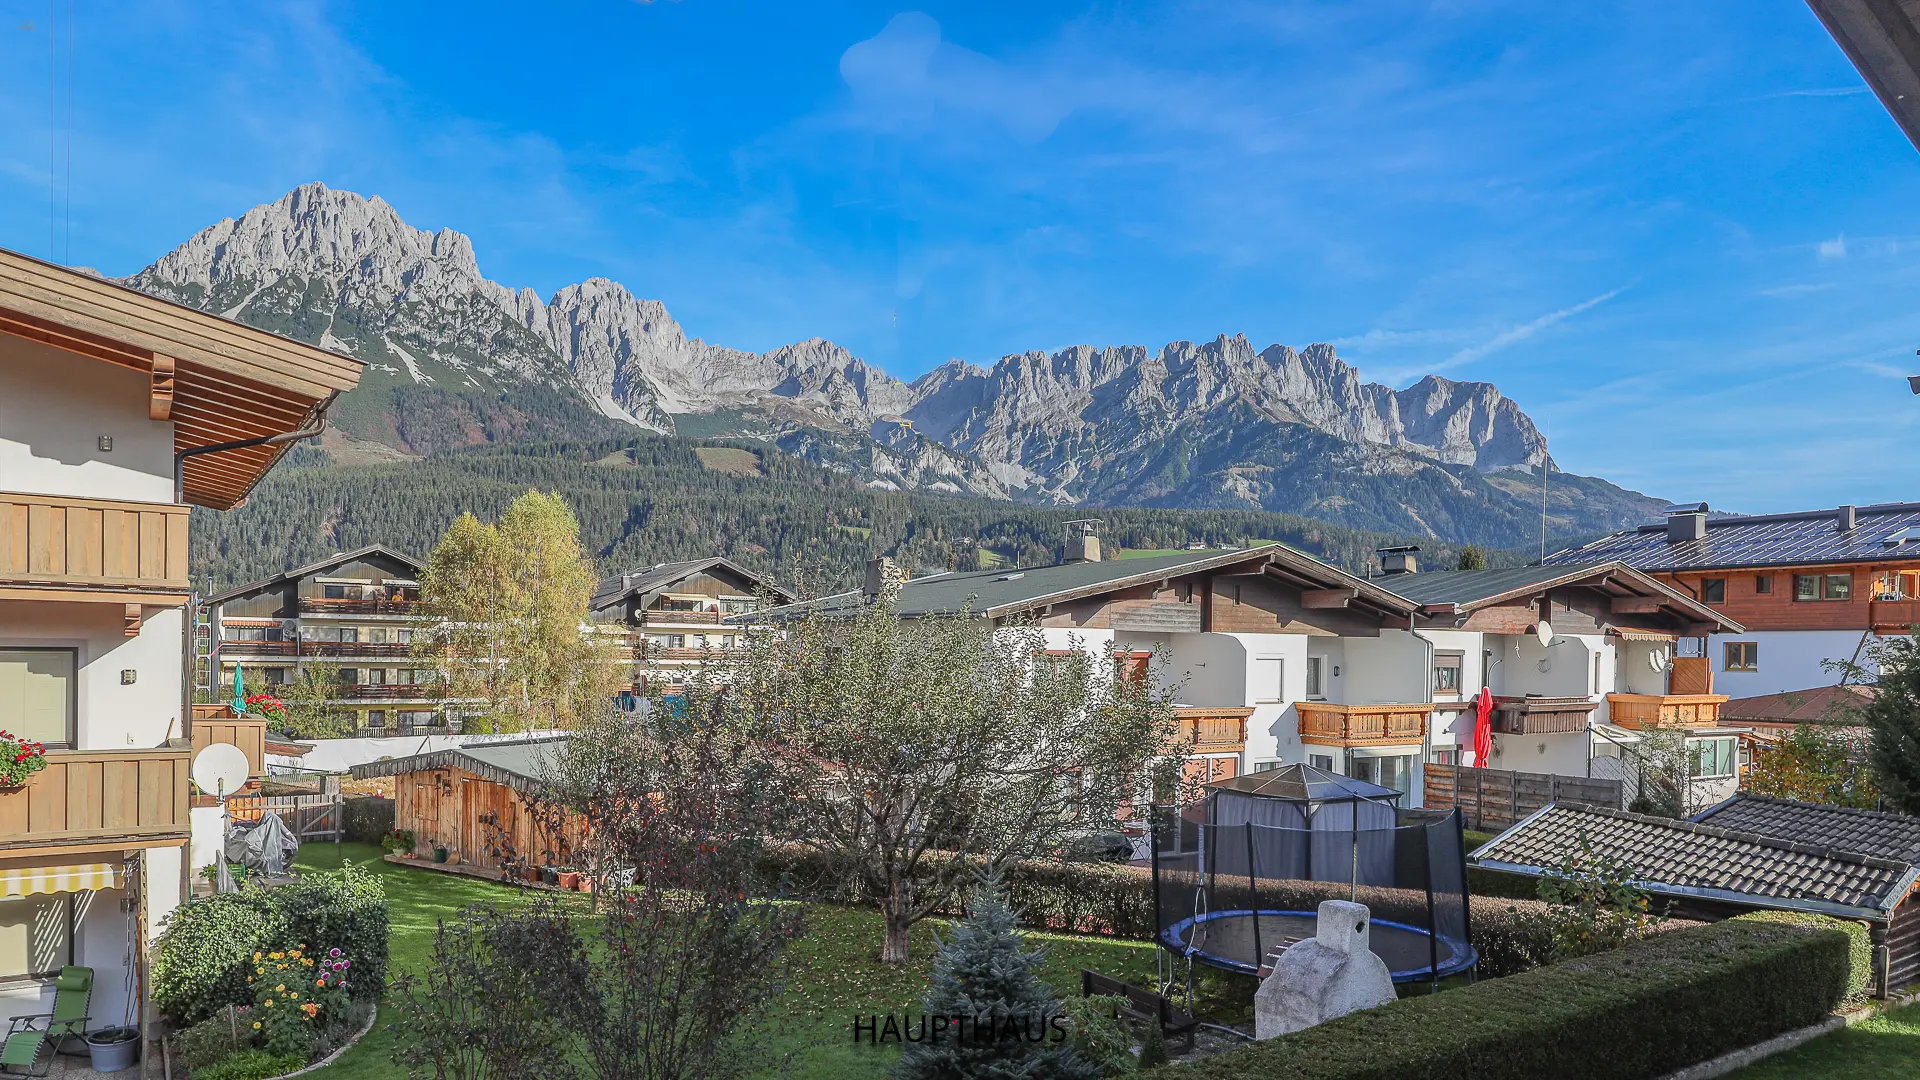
[474, 800]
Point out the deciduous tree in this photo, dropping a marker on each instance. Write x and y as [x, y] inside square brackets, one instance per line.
[1813, 763]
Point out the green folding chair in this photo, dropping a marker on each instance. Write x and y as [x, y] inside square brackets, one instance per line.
[31, 1034]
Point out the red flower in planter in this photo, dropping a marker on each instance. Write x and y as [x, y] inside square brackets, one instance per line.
[19, 759]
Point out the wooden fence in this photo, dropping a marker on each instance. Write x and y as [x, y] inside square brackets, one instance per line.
[309, 817]
[1493, 799]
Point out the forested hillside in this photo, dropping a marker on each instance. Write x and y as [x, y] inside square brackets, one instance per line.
[656, 498]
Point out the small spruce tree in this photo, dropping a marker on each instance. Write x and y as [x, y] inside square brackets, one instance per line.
[986, 974]
[1472, 558]
[1893, 716]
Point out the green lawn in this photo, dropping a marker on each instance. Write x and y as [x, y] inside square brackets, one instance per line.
[1883, 1048]
[834, 973]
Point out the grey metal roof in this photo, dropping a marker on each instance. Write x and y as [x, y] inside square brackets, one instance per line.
[611, 590]
[518, 764]
[1682, 859]
[1870, 832]
[336, 559]
[1465, 590]
[994, 592]
[1799, 539]
[1304, 783]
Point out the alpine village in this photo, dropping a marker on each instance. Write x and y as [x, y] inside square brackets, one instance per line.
[404, 675]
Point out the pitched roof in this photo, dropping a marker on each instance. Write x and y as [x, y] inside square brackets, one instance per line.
[336, 559]
[1465, 590]
[1304, 783]
[1811, 706]
[1799, 539]
[999, 592]
[517, 763]
[1682, 859]
[610, 590]
[1870, 832]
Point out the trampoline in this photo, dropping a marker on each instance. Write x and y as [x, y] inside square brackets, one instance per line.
[1239, 876]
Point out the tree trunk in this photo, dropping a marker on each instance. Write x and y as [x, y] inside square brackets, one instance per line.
[894, 949]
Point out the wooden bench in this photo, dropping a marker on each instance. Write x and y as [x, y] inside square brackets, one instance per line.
[1141, 1004]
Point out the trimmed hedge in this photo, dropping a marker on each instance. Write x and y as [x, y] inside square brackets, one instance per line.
[1859, 952]
[368, 818]
[1640, 1011]
[202, 960]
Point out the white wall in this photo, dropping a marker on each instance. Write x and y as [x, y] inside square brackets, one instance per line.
[1569, 672]
[53, 409]
[1389, 669]
[112, 715]
[1632, 675]
[1273, 731]
[1789, 660]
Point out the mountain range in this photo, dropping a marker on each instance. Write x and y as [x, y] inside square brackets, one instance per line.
[455, 360]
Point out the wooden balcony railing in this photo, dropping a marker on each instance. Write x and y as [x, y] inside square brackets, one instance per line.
[1642, 711]
[247, 733]
[92, 544]
[668, 616]
[1542, 715]
[98, 795]
[319, 605]
[1214, 731]
[1326, 724]
[1893, 616]
[393, 692]
[259, 648]
[386, 649]
[673, 652]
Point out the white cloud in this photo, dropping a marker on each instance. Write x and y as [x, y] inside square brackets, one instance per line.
[908, 76]
[1835, 248]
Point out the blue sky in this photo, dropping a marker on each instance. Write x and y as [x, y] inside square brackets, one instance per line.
[1683, 236]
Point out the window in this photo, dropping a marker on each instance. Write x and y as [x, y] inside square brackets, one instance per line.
[1269, 678]
[1742, 656]
[37, 694]
[418, 717]
[1446, 755]
[1446, 673]
[253, 633]
[1267, 766]
[1395, 772]
[1323, 762]
[1713, 757]
[1713, 590]
[1316, 678]
[377, 718]
[732, 606]
[1763, 584]
[36, 936]
[1823, 586]
[1596, 674]
[1132, 668]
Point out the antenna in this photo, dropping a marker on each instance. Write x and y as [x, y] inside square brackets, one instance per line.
[221, 770]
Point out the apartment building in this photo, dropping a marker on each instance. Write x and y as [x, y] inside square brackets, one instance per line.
[675, 615]
[118, 414]
[351, 616]
[1809, 589]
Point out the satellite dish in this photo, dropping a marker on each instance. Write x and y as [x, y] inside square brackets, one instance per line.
[220, 769]
[1657, 660]
[1544, 631]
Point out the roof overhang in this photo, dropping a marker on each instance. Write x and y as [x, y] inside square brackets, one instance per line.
[1273, 561]
[1617, 581]
[1882, 38]
[216, 380]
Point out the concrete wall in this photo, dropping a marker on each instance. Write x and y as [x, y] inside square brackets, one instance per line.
[111, 715]
[55, 408]
[1789, 660]
[1391, 668]
[1632, 675]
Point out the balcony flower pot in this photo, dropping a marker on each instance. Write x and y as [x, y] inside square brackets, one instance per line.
[568, 880]
[113, 1048]
[439, 854]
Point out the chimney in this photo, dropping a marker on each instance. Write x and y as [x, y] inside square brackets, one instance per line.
[1399, 560]
[1846, 516]
[1685, 522]
[1083, 543]
[882, 577]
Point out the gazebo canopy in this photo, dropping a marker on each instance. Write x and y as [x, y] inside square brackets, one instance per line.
[1305, 784]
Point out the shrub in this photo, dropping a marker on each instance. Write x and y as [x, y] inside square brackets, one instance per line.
[397, 841]
[1859, 952]
[214, 1039]
[1592, 904]
[1094, 1025]
[368, 818]
[203, 959]
[1640, 1011]
[250, 1065]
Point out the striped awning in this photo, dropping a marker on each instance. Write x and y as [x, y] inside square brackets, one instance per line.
[84, 877]
[1636, 634]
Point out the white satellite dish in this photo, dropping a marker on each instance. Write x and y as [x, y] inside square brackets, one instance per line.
[1657, 660]
[1544, 631]
[220, 769]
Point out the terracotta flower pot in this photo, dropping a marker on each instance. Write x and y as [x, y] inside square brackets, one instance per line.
[569, 880]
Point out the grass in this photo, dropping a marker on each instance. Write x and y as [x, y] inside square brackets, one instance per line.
[1883, 1048]
[833, 972]
[730, 460]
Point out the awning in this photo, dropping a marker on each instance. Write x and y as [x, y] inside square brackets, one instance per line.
[1626, 634]
[82, 877]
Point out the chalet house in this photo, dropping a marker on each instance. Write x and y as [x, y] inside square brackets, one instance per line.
[1806, 588]
[355, 610]
[675, 614]
[118, 414]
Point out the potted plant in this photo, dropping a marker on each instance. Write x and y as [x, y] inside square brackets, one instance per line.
[19, 760]
[397, 842]
[567, 878]
[112, 1048]
[550, 874]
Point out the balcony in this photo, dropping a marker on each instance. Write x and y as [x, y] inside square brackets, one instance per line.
[392, 692]
[259, 648]
[388, 649]
[1323, 723]
[670, 617]
[92, 546]
[1893, 616]
[319, 605]
[1213, 731]
[1541, 715]
[1644, 711]
[247, 733]
[674, 652]
[99, 795]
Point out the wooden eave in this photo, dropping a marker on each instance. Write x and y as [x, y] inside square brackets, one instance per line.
[1613, 579]
[216, 380]
[1273, 561]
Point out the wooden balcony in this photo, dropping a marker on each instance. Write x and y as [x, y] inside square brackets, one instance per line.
[1541, 715]
[51, 544]
[1213, 731]
[1893, 616]
[319, 605]
[671, 617]
[247, 733]
[1326, 724]
[675, 652]
[1643, 711]
[393, 692]
[98, 795]
[316, 649]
